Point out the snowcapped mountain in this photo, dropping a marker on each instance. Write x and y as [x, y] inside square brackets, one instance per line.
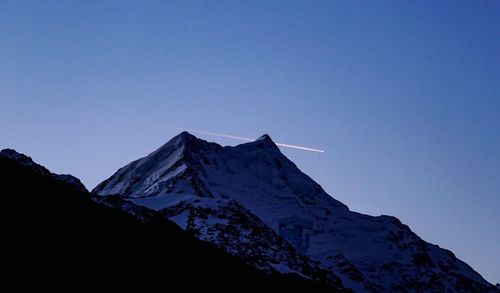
[256, 204]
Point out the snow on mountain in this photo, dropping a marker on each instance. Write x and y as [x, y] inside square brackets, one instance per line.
[234, 229]
[252, 192]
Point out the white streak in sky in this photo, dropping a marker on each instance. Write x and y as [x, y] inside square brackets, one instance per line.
[251, 139]
[210, 133]
[299, 147]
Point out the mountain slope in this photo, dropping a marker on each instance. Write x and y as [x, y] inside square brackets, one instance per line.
[222, 221]
[56, 234]
[369, 254]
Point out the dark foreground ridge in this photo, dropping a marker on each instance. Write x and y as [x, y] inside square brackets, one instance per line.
[56, 235]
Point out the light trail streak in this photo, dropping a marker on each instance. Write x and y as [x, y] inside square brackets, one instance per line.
[211, 133]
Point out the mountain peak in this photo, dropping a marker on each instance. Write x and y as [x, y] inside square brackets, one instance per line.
[265, 142]
[181, 139]
[265, 136]
[184, 136]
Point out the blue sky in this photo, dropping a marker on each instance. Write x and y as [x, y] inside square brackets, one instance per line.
[403, 95]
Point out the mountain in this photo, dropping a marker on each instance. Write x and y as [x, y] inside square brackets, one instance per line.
[56, 235]
[256, 204]
[28, 163]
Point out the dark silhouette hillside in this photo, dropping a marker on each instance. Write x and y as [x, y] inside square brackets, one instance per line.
[56, 234]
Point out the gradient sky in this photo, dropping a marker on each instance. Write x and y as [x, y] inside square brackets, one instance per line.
[403, 95]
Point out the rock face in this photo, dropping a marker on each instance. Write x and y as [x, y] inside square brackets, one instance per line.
[255, 203]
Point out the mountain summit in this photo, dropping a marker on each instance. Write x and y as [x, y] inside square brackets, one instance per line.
[256, 204]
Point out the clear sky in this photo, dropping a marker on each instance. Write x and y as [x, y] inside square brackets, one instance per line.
[403, 95]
